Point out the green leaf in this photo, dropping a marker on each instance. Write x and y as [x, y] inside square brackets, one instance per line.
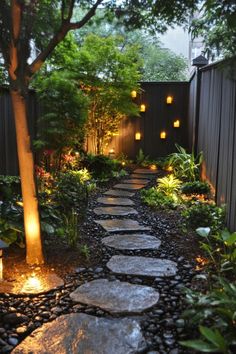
[231, 239]
[200, 345]
[213, 336]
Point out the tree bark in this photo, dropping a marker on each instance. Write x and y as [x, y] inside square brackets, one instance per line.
[34, 252]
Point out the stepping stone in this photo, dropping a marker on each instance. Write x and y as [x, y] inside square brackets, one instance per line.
[117, 225]
[145, 171]
[80, 333]
[117, 210]
[118, 193]
[115, 201]
[141, 176]
[136, 181]
[145, 266]
[129, 186]
[132, 242]
[116, 296]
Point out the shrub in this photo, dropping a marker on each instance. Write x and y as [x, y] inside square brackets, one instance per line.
[196, 187]
[185, 166]
[9, 187]
[215, 312]
[204, 215]
[154, 198]
[169, 186]
[100, 166]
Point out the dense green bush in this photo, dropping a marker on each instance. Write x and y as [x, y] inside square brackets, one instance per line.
[154, 198]
[214, 313]
[196, 187]
[204, 215]
[100, 166]
[9, 187]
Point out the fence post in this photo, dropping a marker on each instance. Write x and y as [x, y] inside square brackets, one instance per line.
[198, 62]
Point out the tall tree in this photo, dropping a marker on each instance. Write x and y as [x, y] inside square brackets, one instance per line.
[23, 22]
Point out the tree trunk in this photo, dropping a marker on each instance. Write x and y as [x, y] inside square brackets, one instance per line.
[34, 253]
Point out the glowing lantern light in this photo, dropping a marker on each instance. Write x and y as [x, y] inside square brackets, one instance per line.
[111, 151]
[123, 163]
[176, 123]
[138, 136]
[133, 94]
[142, 108]
[163, 135]
[2, 246]
[153, 167]
[169, 169]
[169, 99]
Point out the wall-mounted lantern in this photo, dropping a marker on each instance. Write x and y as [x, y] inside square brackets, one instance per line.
[3, 245]
[133, 94]
[142, 108]
[137, 136]
[163, 135]
[176, 123]
[169, 99]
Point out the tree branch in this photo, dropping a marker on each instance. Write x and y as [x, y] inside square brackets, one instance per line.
[65, 27]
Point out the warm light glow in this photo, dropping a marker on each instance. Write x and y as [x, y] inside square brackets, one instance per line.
[153, 167]
[201, 262]
[1, 266]
[163, 135]
[111, 151]
[142, 108]
[176, 124]
[115, 134]
[33, 284]
[137, 136]
[169, 99]
[20, 204]
[123, 163]
[133, 94]
[169, 169]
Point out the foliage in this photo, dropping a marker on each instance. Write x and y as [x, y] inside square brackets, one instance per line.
[140, 158]
[154, 198]
[70, 191]
[204, 215]
[72, 228]
[185, 166]
[100, 166]
[217, 310]
[169, 186]
[107, 70]
[11, 222]
[216, 24]
[196, 187]
[220, 248]
[9, 187]
[64, 112]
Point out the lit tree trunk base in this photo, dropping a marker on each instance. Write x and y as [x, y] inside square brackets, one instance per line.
[34, 252]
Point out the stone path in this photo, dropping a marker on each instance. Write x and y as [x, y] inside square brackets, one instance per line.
[83, 333]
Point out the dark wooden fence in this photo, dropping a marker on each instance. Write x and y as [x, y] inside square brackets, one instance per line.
[215, 131]
[205, 107]
[158, 117]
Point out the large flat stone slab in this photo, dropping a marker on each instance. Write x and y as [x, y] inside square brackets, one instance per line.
[141, 176]
[115, 210]
[145, 171]
[128, 186]
[81, 333]
[132, 242]
[119, 193]
[115, 201]
[116, 296]
[145, 266]
[117, 225]
[136, 181]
